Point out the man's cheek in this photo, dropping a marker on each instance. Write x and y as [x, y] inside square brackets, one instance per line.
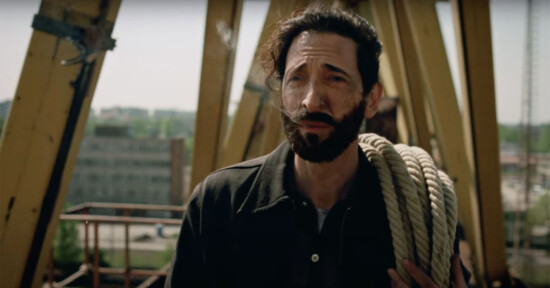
[290, 103]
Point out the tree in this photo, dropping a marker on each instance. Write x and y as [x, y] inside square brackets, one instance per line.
[539, 213]
[89, 130]
[508, 133]
[543, 143]
[66, 249]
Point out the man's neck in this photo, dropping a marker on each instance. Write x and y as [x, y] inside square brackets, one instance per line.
[327, 182]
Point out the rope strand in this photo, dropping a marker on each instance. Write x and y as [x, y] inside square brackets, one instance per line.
[420, 203]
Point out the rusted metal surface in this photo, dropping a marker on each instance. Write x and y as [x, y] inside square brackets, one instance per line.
[126, 251]
[123, 206]
[81, 272]
[96, 254]
[153, 278]
[136, 272]
[82, 214]
[119, 219]
[86, 249]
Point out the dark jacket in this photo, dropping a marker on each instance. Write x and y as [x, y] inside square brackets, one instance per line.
[240, 227]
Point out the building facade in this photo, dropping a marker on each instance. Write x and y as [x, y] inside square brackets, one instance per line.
[127, 170]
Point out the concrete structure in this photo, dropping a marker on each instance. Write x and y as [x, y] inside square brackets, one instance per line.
[164, 113]
[122, 113]
[117, 169]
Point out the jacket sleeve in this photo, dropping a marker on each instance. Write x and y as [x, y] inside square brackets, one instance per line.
[188, 267]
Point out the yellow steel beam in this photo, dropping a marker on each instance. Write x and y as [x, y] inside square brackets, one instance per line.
[41, 139]
[390, 70]
[473, 27]
[267, 129]
[249, 106]
[220, 43]
[273, 127]
[434, 68]
[409, 69]
[253, 147]
[387, 75]
[240, 133]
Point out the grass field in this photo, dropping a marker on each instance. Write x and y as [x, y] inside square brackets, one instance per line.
[141, 259]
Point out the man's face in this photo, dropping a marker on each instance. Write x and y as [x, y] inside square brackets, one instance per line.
[322, 95]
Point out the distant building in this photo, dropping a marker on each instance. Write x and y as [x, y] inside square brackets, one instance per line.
[112, 131]
[513, 194]
[160, 113]
[119, 113]
[516, 163]
[114, 168]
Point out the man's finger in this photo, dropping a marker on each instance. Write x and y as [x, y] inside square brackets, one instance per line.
[396, 281]
[459, 280]
[418, 275]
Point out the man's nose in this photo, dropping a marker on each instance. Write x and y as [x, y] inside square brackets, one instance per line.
[315, 98]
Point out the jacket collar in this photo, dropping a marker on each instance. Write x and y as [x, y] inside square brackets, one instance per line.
[269, 189]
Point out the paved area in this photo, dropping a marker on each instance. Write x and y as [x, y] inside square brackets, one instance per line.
[142, 237]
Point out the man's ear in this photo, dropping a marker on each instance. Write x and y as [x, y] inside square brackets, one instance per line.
[373, 99]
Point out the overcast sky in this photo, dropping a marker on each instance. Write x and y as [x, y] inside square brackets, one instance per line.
[156, 63]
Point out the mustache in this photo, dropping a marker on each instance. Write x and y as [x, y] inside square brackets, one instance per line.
[307, 116]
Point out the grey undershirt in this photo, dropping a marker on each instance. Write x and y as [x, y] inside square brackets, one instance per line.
[321, 215]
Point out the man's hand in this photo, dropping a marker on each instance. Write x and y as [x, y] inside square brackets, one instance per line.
[422, 279]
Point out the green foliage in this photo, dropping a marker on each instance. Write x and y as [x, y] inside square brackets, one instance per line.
[168, 253]
[540, 212]
[541, 136]
[66, 249]
[90, 125]
[181, 125]
[508, 133]
[102, 258]
[143, 128]
[543, 143]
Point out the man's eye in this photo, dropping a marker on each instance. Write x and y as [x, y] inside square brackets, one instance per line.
[336, 78]
[294, 78]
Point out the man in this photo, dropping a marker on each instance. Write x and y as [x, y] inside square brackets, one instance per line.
[311, 213]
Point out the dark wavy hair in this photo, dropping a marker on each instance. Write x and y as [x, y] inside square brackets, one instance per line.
[321, 18]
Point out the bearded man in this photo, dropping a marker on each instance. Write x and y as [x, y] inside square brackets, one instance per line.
[311, 213]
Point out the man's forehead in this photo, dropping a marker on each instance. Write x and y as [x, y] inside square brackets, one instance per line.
[326, 66]
[335, 50]
[321, 40]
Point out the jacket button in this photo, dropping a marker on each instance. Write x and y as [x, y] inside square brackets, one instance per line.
[304, 203]
[315, 258]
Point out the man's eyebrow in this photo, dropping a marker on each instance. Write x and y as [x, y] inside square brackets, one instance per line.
[297, 68]
[335, 69]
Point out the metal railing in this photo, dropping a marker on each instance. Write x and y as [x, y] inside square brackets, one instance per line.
[81, 213]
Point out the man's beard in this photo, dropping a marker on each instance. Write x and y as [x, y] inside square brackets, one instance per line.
[311, 147]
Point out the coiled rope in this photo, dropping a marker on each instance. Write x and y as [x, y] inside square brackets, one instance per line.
[420, 203]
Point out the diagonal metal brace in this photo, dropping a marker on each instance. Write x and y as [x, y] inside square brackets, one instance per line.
[92, 37]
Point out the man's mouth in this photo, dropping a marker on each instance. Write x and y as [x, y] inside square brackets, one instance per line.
[314, 126]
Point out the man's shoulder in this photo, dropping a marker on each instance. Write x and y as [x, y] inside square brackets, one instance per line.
[237, 172]
[230, 183]
[245, 165]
